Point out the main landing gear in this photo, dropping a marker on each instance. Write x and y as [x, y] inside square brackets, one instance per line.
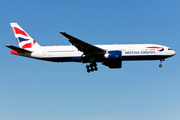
[160, 65]
[91, 67]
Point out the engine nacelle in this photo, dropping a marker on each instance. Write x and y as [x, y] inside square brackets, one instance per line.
[113, 55]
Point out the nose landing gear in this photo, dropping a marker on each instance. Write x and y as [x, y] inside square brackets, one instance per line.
[160, 65]
[91, 67]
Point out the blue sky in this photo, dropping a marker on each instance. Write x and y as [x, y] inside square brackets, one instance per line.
[41, 90]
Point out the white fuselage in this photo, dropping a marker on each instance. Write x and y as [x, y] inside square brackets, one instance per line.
[129, 52]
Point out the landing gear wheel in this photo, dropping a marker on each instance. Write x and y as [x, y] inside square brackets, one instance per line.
[95, 68]
[87, 66]
[88, 70]
[92, 67]
[160, 65]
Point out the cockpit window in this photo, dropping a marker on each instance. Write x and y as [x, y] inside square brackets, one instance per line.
[169, 49]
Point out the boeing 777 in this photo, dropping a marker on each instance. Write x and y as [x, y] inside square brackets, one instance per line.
[83, 52]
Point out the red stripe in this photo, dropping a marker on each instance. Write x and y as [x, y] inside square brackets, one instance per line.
[18, 31]
[29, 45]
[154, 47]
[34, 42]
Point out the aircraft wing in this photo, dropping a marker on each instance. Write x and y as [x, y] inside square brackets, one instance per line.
[18, 49]
[82, 46]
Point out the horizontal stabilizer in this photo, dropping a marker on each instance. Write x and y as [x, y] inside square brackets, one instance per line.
[18, 49]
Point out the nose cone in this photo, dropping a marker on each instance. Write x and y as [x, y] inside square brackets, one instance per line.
[173, 53]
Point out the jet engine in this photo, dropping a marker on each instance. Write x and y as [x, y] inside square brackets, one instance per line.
[113, 55]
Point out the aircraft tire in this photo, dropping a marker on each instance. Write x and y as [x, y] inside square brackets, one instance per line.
[87, 66]
[95, 68]
[92, 69]
[160, 65]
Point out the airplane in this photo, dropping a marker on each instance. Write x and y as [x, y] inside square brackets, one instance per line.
[83, 52]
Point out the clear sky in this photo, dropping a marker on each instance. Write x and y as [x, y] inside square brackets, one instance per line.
[40, 90]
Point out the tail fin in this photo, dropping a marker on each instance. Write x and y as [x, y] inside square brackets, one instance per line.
[24, 40]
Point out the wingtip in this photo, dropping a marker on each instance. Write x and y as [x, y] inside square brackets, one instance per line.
[7, 45]
[62, 32]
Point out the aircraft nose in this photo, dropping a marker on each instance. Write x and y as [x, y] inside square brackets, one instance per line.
[173, 53]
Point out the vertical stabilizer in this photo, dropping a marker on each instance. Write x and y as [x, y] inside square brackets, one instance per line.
[24, 40]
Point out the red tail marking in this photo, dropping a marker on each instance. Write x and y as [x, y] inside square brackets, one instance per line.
[18, 31]
[29, 45]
